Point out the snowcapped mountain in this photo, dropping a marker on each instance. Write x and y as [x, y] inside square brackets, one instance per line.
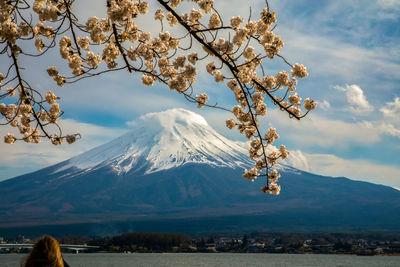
[162, 141]
[174, 166]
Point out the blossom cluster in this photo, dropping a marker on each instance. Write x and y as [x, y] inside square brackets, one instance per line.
[201, 99]
[31, 114]
[235, 53]
[20, 117]
[250, 89]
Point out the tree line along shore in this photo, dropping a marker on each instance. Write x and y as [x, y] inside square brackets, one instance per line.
[296, 243]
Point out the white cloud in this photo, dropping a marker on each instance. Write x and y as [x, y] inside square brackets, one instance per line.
[356, 98]
[388, 128]
[325, 105]
[392, 109]
[363, 170]
[389, 4]
[388, 10]
[327, 56]
[318, 131]
[383, 127]
[312, 131]
[297, 160]
[22, 157]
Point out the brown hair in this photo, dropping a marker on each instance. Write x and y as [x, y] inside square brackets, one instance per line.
[45, 253]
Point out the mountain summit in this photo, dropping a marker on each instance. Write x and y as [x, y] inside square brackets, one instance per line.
[162, 141]
[174, 166]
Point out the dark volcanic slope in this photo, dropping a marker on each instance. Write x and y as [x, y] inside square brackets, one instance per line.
[173, 165]
[197, 190]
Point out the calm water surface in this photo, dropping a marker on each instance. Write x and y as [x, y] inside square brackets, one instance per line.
[222, 259]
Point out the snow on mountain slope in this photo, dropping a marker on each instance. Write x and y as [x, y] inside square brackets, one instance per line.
[162, 141]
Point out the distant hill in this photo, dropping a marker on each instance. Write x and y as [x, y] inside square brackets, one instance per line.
[174, 173]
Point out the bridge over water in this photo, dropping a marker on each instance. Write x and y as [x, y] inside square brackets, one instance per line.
[77, 248]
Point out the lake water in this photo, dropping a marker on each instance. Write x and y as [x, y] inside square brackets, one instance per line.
[213, 259]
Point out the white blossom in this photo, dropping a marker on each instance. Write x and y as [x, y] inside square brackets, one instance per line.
[295, 99]
[271, 135]
[299, 70]
[9, 139]
[215, 21]
[309, 104]
[251, 174]
[148, 80]
[235, 22]
[201, 100]
[230, 123]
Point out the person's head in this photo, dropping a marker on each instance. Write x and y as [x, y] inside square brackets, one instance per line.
[45, 253]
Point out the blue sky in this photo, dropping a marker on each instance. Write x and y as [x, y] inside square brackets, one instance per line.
[352, 55]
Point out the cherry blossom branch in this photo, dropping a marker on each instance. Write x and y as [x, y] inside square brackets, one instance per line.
[23, 91]
[71, 25]
[115, 32]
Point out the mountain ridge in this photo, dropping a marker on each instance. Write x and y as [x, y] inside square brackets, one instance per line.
[165, 139]
[206, 187]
